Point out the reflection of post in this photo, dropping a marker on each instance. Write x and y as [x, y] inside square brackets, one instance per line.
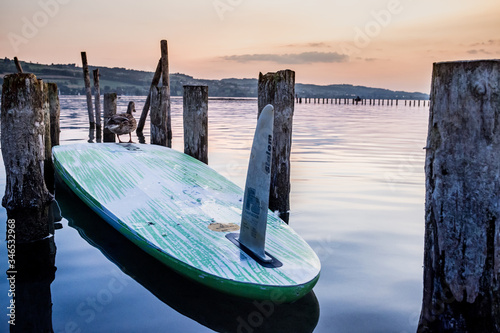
[195, 117]
[35, 271]
[462, 216]
[278, 90]
[26, 195]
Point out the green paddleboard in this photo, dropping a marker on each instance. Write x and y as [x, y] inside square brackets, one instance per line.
[188, 216]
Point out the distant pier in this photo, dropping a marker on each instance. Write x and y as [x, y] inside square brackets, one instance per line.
[362, 101]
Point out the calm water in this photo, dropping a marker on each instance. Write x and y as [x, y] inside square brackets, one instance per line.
[357, 198]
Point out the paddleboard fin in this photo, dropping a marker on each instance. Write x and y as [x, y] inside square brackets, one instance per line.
[256, 198]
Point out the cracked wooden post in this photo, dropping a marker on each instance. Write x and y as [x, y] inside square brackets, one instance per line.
[26, 198]
[109, 110]
[278, 90]
[195, 117]
[86, 78]
[97, 104]
[462, 211]
[147, 103]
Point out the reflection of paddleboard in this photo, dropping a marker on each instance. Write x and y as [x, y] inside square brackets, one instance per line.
[180, 211]
[189, 298]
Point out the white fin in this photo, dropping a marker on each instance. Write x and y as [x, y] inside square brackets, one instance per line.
[256, 198]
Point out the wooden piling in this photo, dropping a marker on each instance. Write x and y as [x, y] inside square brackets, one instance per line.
[278, 90]
[109, 110]
[147, 103]
[97, 102]
[158, 121]
[18, 65]
[55, 112]
[26, 196]
[462, 215]
[195, 119]
[86, 78]
[165, 89]
[48, 166]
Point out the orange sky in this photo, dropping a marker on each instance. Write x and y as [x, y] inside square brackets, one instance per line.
[379, 43]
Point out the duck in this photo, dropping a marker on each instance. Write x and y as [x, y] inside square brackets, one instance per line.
[123, 123]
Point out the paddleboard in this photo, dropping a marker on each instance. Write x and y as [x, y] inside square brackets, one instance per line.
[188, 216]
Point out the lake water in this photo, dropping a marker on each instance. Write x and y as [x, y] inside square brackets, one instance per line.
[357, 198]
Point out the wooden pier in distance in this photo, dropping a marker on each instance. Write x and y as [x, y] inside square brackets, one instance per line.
[365, 101]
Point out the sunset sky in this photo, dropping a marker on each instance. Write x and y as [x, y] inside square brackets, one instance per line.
[378, 43]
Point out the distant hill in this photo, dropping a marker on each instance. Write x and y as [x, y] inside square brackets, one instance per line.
[69, 79]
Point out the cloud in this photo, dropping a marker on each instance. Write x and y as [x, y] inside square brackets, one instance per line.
[313, 45]
[474, 51]
[291, 58]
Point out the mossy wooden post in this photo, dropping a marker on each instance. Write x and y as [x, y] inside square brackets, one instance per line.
[158, 120]
[165, 90]
[86, 78]
[462, 211]
[97, 103]
[108, 111]
[195, 116]
[278, 90]
[147, 103]
[23, 149]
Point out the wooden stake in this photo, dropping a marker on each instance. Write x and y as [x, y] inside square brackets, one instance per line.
[462, 215]
[158, 121]
[26, 197]
[18, 65]
[278, 90]
[47, 163]
[145, 109]
[195, 115]
[109, 110]
[165, 91]
[97, 101]
[55, 111]
[86, 78]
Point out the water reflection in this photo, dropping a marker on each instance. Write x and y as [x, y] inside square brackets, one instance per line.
[215, 310]
[35, 271]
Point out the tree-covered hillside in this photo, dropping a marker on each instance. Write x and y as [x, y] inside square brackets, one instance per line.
[69, 79]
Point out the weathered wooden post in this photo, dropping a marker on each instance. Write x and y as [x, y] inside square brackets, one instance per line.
[278, 90]
[108, 111]
[165, 90]
[97, 102]
[462, 211]
[86, 78]
[195, 115]
[158, 121]
[147, 103]
[55, 112]
[23, 149]
[48, 167]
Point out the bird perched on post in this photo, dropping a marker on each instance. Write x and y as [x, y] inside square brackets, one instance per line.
[123, 123]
